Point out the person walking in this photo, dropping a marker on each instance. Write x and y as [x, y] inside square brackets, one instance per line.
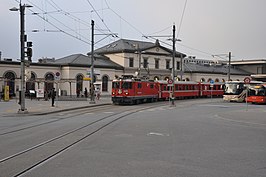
[53, 94]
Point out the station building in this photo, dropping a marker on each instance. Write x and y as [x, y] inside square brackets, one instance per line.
[123, 57]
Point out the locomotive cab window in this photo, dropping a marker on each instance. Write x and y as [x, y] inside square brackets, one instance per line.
[127, 85]
[115, 85]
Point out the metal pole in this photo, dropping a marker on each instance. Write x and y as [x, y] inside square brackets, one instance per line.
[229, 66]
[181, 67]
[173, 66]
[92, 63]
[22, 57]
[139, 61]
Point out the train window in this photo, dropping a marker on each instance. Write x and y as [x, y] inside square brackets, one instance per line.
[115, 85]
[139, 85]
[127, 85]
[176, 87]
[151, 86]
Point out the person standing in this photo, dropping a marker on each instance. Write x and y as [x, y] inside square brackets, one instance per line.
[86, 92]
[53, 94]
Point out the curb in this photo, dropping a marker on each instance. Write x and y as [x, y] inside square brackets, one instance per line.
[67, 109]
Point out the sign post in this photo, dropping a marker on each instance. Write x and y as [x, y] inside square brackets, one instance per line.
[171, 94]
[247, 81]
[211, 86]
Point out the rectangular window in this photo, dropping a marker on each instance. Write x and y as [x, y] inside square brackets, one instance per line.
[131, 62]
[156, 63]
[167, 64]
[145, 63]
[178, 65]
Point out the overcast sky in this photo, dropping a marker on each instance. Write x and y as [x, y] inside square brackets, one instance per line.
[209, 27]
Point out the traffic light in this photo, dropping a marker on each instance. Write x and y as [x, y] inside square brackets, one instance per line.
[29, 51]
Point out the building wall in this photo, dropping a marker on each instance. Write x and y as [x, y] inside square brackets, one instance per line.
[118, 58]
[67, 76]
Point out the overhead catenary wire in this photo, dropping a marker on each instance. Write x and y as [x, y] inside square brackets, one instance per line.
[77, 32]
[182, 17]
[85, 40]
[99, 16]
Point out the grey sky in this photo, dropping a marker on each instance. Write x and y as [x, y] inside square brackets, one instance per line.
[209, 26]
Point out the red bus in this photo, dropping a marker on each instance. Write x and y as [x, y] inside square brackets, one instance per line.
[257, 94]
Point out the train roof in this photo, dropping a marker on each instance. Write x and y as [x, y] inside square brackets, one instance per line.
[242, 82]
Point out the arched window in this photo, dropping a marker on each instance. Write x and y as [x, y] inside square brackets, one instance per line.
[105, 83]
[223, 80]
[202, 80]
[79, 83]
[49, 82]
[209, 79]
[217, 80]
[187, 79]
[156, 78]
[10, 81]
[166, 78]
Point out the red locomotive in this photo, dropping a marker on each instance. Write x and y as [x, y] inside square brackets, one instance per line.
[131, 90]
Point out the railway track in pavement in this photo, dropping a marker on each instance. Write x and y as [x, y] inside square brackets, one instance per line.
[22, 162]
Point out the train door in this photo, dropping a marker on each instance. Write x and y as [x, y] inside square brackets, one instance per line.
[160, 90]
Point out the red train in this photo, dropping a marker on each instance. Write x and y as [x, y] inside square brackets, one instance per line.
[131, 90]
[257, 94]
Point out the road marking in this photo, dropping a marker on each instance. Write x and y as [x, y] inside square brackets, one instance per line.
[238, 121]
[157, 134]
[212, 105]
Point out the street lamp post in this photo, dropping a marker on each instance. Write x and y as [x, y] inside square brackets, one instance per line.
[22, 54]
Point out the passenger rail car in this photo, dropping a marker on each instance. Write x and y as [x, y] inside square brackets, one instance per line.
[181, 90]
[131, 90]
[257, 94]
[190, 89]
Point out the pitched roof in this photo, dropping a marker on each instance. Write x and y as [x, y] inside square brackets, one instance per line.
[80, 59]
[214, 69]
[130, 46]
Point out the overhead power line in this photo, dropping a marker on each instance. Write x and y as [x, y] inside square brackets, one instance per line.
[85, 39]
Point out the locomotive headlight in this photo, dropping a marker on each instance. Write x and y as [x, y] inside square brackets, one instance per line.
[126, 93]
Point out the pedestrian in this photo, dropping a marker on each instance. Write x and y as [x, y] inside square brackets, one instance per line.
[98, 93]
[78, 92]
[86, 92]
[53, 94]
